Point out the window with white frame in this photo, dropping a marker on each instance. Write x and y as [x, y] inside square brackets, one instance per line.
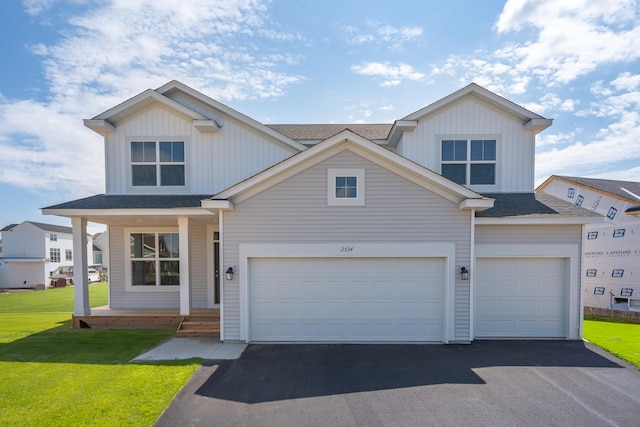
[469, 161]
[345, 187]
[68, 255]
[53, 237]
[154, 259]
[158, 163]
[54, 254]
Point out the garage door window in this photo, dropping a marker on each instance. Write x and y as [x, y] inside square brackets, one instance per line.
[345, 187]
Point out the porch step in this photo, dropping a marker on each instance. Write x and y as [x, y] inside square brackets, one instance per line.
[199, 326]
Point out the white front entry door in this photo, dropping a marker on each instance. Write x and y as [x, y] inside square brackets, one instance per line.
[346, 300]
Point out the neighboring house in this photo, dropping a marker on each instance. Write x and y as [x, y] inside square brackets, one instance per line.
[101, 249]
[426, 229]
[32, 250]
[611, 254]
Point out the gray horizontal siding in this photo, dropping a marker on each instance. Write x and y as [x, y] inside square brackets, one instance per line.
[296, 211]
[523, 234]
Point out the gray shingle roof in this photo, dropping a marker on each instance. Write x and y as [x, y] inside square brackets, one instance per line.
[42, 226]
[319, 132]
[532, 205]
[608, 186]
[103, 201]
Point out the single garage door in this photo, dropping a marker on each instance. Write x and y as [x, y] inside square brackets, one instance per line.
[521, 297]
[346, 300]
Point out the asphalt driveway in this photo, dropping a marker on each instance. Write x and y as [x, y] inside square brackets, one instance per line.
[486, 383]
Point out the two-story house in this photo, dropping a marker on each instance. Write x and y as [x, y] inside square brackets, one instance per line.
[32, 250]
[423, 230]
[611, 252]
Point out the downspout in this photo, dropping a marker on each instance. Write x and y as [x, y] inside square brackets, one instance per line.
[581, 282]
[472, 267]
[221, 270]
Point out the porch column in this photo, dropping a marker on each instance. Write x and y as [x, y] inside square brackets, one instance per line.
[185, 266]
[80, 268]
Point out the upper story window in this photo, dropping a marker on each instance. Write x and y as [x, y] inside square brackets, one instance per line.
[345, 187]
[53, 237]
[68, 255]
[469, 161]
[157, 163]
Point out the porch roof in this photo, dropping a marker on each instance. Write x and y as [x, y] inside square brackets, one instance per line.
[158, 210]
[109, 201]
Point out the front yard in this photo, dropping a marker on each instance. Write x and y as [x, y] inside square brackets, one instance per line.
[53, 375]
[620, 339]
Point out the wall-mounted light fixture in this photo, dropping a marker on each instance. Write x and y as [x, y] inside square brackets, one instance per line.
[464, 273]
[229, 273]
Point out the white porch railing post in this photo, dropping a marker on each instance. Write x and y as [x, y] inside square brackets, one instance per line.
[185, 266]
[80, 268]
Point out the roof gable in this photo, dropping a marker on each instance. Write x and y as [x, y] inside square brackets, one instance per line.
[170, 89]
[107, 121]
[530, 120]
[627, 190]
[368, 149]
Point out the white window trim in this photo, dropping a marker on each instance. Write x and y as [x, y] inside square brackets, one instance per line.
[332, 200]
[497, 162]
[127, 265]
[158, 189]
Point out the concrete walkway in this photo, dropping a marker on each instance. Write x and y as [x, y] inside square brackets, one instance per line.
[186, 348]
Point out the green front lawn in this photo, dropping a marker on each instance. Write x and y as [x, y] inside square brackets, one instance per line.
[620, 339]
[52, 375]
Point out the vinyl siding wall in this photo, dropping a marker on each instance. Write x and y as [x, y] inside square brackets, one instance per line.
[296, 211]
[214, 160]
[119, 297]
[473, 117]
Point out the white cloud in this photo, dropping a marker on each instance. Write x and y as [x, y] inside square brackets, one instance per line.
[552, 43]
[375, 32]
[36, 7]
[615, 145]
[627, 81]
[113, 50]
[392, 75]
[573, 36]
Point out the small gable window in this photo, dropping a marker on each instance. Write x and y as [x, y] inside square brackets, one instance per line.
[157, 163]
[345, 187]
[469, 161]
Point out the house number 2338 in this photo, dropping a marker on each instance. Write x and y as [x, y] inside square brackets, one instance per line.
[346, 249]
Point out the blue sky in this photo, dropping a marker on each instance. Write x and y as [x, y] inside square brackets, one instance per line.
[305, 61]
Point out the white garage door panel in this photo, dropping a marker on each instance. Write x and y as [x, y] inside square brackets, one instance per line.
[521, 297]
[355, 299]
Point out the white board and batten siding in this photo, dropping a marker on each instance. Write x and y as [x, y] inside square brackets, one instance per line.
[294, 213]
[527, 290]
[473, 118]
[214, 160]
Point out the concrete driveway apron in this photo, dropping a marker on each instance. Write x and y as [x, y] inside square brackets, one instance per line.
[486, 383]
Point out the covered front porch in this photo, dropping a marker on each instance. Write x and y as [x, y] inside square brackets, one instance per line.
[164, 262]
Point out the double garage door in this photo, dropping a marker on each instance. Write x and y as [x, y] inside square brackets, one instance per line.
[521, 297]
[346, 299]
